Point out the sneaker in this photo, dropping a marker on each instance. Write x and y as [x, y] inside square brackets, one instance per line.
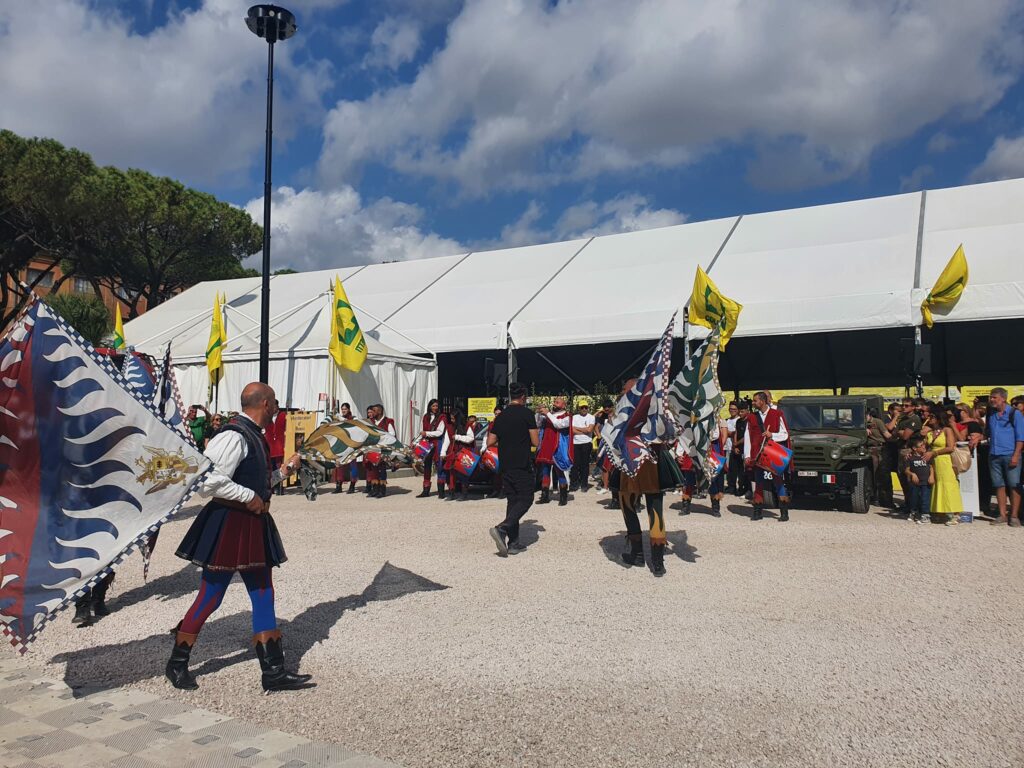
[1014, 522]
[602, 490]
[918, 519]
[499, 541]
[954, 520]
[999, 521]
[514, 548]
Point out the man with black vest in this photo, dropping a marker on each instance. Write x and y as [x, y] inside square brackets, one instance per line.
[235, 532]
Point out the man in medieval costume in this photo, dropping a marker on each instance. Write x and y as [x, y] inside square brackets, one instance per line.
[766, 423]
[555, 452]
[376, 463]
[437, 429]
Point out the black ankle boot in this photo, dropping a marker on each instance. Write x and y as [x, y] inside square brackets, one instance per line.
[382, 491]
[716, 508]
[177, 666]
[271, 656]
[783, 513]
[658, 559]
[545, 496]
[83, 611]
[374, 491]
[686, 507]
[635, 556]
[563, 496]
[337, 487]
[424, 493]
[99, 598]
[758, 512]
[352, 487]
[440, 492]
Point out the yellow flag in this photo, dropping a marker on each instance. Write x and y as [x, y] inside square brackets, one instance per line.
[708, 307]
[948, 287]
[215, 346]
[347, 347]
[118, 328]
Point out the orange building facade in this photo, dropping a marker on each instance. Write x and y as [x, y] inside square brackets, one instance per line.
[73, 285]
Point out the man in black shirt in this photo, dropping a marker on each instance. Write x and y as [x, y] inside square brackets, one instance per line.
[515, 434]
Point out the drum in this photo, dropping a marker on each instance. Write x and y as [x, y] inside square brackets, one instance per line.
[373, 458]
[685, 462]
[716, 461]
[422, 450]
[773, 457]
[490, 459]
[465, 462]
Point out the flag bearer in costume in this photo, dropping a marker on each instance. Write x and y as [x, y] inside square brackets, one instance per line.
[766, 422]
[438, 430]
[555, 452]
[376, 465]
[235, 532]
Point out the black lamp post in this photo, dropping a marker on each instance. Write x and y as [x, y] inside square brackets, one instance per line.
[272, 23]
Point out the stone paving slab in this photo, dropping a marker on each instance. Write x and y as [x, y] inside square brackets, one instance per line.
[44, 724]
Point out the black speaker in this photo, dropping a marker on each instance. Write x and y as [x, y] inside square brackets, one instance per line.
[916, 359]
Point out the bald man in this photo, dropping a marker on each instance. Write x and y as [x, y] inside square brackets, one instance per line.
[235, 532]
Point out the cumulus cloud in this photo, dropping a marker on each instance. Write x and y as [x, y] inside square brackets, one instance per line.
[916, 180]
[393, 43]
[1005, 160]
[625, 213]
[313, 229]
[186, 99]
[527, 92]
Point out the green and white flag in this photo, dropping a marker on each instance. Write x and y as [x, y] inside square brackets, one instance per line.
[695, 399]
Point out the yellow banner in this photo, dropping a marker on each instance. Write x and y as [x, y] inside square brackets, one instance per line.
[710, 307]
[347, 347]
[481, 406]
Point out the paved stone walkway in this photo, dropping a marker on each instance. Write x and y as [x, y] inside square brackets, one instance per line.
[44, 723]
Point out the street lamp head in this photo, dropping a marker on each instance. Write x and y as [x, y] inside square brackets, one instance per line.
[271, 22]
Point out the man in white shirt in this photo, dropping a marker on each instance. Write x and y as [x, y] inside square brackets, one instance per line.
[763, 424]
[554, 454]
[235, 532]
[583, 441]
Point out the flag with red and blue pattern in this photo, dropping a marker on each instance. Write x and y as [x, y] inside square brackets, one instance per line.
[88, 470]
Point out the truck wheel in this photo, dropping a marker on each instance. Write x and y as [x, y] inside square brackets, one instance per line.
[860, 499]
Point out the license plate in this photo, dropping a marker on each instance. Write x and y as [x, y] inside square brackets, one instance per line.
[805, 473]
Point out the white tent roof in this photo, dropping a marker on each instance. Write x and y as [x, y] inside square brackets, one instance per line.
[848, 266]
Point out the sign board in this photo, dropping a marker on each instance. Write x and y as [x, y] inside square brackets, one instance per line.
[481, 406]
[298, 425]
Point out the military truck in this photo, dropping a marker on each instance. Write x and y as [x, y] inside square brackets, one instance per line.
[830, 448]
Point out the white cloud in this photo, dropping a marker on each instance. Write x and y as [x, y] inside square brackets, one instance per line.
[187, 99]
[626, 213]
[941, 142]
[393, 43]
[314, 229]
[916, 180]
[527, 92]
[1005, 160]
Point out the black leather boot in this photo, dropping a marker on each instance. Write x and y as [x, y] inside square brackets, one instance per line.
[635, 556]
[658, 559]
[545, 496]
[686, 507]
[758, 512]
[783, 512]
[374, 491]
[424, 493]
[352, 487]
[99, 597]
[271, 656]
[337, 487]
[382, 491]
[440, 492]
[563, 495]
[83, 611]
[716, 507]
[177, 666]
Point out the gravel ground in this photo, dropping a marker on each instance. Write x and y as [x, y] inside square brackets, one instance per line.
[835, 639]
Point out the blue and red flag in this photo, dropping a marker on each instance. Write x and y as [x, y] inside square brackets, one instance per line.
[641, 416]
[87, 470]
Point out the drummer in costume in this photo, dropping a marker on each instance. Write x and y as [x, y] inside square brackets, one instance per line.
[376, 465]
[766, 423]
[438, 430]
[463, 439]
[235, 532]
[555, 454]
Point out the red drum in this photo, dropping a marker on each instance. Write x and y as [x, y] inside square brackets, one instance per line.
[490, 459]
[685, 462]
[716, 461]
[373, 458]
[773, 457]
[423, 449]
[465, 462]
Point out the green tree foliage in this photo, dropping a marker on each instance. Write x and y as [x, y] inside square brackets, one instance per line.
[143, 236]
[87, 314]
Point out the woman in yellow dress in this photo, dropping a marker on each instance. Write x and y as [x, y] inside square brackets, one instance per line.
[941, 441]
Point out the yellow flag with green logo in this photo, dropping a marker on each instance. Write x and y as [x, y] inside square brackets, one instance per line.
[347, 347]
[118, 328]
[948, 287]
[710, 308]
[218, 340]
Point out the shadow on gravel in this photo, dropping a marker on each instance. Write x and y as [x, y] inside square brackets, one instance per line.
[528, 532]
[681, 546]
[743, 510]
[227, 640]
[168, 587]
[614, 546]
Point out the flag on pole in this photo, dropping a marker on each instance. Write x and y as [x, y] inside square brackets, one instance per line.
[218, 340]
[695, 399]
[948, 287]
[89, 470]
[710, 308]
[641, 416]
[118, 327]
[138, 376]
[168, 399]
[347, 347]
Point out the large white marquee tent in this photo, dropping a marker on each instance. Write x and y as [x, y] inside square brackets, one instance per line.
[859, 266]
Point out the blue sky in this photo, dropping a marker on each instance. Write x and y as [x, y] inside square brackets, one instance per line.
[415, 128]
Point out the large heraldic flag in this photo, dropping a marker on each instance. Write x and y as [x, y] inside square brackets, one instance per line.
[87, 471]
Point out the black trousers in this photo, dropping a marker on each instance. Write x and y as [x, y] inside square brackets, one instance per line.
[737, 477]
[517, 485]
[579, 476]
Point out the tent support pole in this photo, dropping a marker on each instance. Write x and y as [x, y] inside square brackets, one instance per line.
[567, 376]
[380, 322]
[629, 367]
